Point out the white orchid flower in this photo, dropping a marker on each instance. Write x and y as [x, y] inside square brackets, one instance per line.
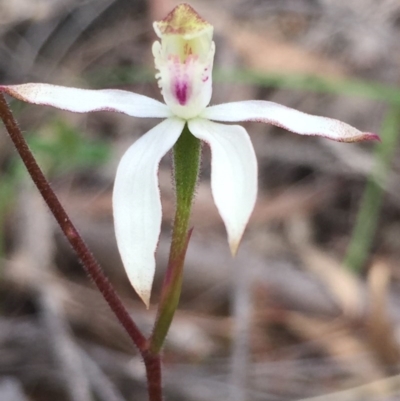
[184, 59]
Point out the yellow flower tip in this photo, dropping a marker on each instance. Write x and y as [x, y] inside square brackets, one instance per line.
[370, 136]
[145, 297]
[234, 246]
[25, 92]
[182, 20]
[364, 136]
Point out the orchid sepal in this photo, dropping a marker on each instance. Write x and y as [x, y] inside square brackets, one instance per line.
[137, 205]
[233, 174]
[287, 118]
[88, 100]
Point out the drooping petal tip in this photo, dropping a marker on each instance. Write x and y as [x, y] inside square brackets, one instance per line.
[20, 95]
[370, 136]
[145, 297]
[234, 246]
[358, 137]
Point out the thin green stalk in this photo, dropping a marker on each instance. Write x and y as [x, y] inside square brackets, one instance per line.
[368, 215]
[187, 152]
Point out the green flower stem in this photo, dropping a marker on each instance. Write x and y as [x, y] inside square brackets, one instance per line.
[187, 152]
[368, 215]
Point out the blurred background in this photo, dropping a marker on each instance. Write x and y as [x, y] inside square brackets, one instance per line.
[310, 307]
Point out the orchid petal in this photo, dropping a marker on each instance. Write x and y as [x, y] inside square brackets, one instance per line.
[86, 100]
[285, 117]
[137, 205]
[233, 174]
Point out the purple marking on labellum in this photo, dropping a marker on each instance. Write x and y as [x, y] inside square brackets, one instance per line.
[181, 89]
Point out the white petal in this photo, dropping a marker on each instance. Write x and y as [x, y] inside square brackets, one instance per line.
[233, 174]
[285, 117]
[85, 100]
[137, 205]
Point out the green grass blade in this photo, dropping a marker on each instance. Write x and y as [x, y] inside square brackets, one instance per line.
[368, 215]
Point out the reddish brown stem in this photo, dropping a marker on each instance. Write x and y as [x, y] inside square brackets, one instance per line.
[153, 374]
[170, 294]
[87, 259]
